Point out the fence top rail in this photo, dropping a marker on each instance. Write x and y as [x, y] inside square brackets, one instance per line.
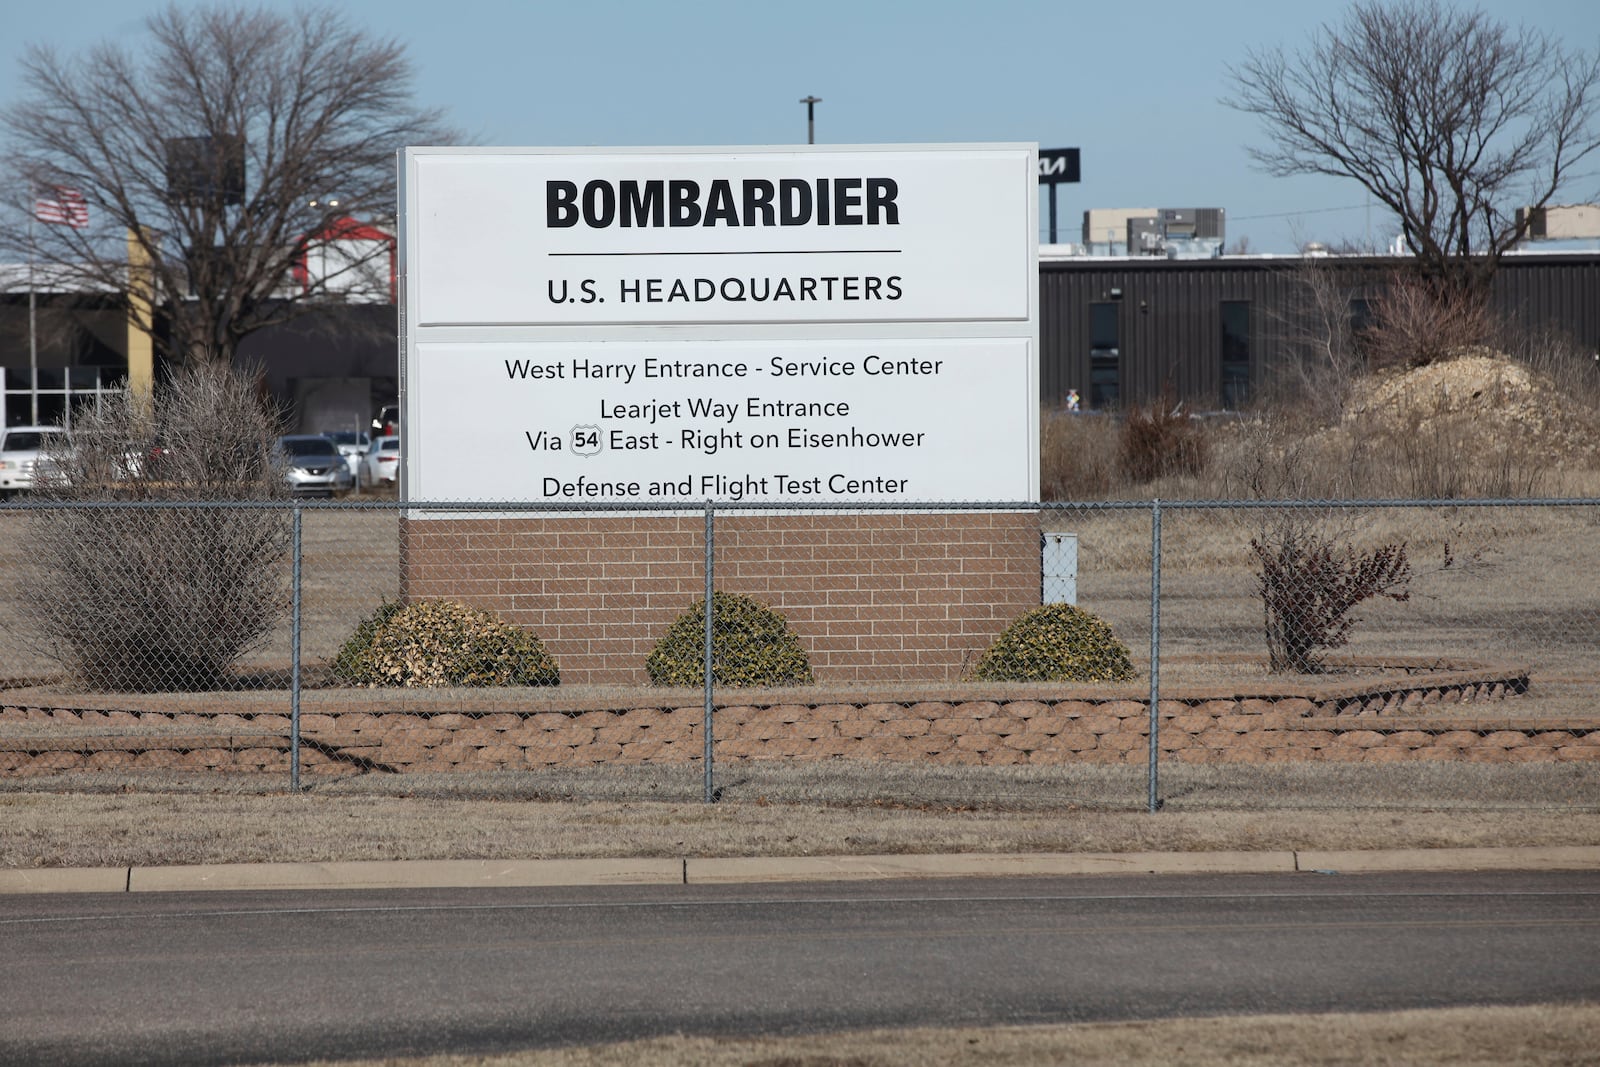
[681, 507]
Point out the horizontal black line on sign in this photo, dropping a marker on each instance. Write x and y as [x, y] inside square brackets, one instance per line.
[775, 252]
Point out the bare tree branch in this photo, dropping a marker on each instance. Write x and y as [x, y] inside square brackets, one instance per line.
[320, 109]
[1449, 119]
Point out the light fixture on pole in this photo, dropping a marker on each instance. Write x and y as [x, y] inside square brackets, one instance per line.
[317, 243]
[811, 103]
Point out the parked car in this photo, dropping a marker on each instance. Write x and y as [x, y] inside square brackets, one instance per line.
[19, 454]
[381, 463]
[312, 465]
[150, 461]
[386, 423]
[352, 444]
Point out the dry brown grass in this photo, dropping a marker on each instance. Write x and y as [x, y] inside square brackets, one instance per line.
[1536, 1036]
[1479, 425]
[1079, 456]
[797, 810]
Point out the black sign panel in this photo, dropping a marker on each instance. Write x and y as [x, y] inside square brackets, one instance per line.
[202, 170]
[1058, 165]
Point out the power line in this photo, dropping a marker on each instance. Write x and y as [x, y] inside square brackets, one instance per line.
[1293, 214]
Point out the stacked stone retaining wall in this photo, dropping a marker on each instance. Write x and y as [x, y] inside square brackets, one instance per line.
[1468, 715]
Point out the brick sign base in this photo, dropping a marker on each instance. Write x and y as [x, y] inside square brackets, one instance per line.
[890, 596]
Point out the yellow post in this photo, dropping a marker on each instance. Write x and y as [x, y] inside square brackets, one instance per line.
[141, 348]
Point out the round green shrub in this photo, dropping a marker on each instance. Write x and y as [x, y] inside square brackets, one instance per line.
[347, 662]
[442, 643]
[751, 645]
[1056, 643]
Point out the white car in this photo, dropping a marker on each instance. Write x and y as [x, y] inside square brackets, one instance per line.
[352, 446]
[19, 454]
[380, 465]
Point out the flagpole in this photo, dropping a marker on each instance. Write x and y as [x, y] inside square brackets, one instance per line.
[33, 340]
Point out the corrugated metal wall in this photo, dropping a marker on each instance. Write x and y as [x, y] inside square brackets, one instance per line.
[1169, 313]
[1552, 292]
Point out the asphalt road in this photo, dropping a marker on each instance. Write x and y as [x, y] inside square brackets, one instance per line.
[230, 977]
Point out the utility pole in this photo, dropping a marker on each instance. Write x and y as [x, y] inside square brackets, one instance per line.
[811, 103]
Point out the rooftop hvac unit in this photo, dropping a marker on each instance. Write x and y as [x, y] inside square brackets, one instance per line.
[1144, 235]
[1177, 222]
[1196, 222]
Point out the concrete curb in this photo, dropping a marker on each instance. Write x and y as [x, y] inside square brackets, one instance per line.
[1534, 858]
[837, 868]
[406, 874]
[466, 874]
[64, 880]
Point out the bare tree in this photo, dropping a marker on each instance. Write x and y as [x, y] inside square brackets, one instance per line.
[1448, 118]
[208, 159]
[1321, 358]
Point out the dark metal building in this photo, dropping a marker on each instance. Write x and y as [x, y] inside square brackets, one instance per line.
[1214, 332]
[328, 370]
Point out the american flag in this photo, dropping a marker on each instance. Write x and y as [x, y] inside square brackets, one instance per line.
[63, 206]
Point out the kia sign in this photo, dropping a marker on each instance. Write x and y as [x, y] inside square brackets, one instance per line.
[751, 324]
[1058, 165]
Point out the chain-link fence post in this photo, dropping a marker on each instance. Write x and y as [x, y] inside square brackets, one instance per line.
[710, 792]
[294, 655]
[1155, 655]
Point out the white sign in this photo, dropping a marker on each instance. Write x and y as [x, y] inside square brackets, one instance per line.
[793, 236]
[755, 324]
[725, 421]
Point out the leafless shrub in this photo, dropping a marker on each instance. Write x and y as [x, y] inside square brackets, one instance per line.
[1159, 440]
[1313, 325]
[161, 597]
[1415, 324]
[1308, 587]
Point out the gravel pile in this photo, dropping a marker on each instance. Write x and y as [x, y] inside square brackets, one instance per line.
[1482, 402]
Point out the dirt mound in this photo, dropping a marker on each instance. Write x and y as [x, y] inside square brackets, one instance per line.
[1482, 402]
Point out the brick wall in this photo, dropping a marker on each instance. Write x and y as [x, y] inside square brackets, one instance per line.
[900, 596]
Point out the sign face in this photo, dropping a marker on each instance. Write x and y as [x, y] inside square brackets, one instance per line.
[754, 324]
[648, 237]
[656, 421]
[1058, 165]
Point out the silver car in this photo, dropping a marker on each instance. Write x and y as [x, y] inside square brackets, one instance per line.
[312, 465]
[19, 454]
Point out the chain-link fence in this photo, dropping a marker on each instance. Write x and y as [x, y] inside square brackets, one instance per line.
[1121, 655]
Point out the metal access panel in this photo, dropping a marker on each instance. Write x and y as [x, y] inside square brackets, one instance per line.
[1059, 569]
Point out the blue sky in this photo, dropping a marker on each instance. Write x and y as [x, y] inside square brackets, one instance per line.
[1135, 86]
